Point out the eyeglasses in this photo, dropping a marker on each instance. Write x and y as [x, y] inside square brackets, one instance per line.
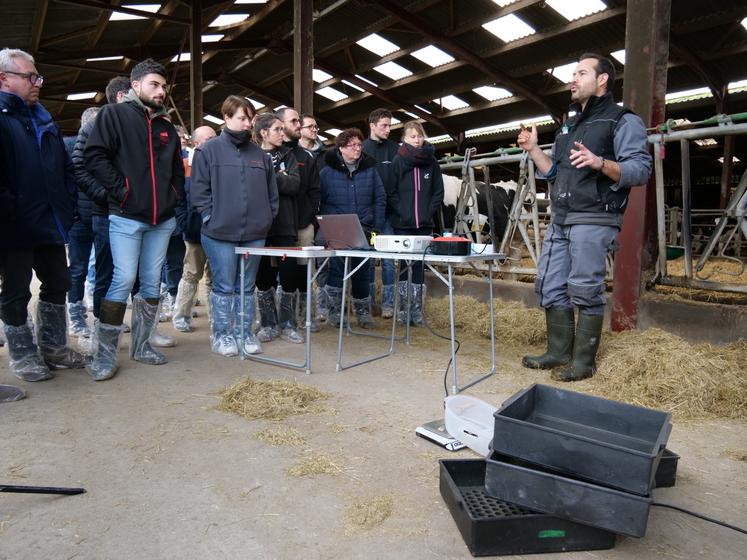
[33, 78]
[276, 129]
[311, 126]
[357, 146]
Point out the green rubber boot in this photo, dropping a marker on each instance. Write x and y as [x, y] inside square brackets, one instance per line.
[559, 340]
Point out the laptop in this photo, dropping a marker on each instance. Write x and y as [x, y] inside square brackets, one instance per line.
[342, 231]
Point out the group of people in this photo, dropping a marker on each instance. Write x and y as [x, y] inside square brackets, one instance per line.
[126, 188]
[131, 192]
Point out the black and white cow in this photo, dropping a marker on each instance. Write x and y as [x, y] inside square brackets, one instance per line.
[501, 194]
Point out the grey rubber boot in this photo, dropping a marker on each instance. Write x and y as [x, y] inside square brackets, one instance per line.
[402, 304]
[585, 346]
[287, 318]
[251, 344]
[25, 361]
[78, 325]
[268, 316]
[362, 308]
[315, 326]
[185, 300]
[322, 304]
[144, 319]
[372, 293]
[417, 318]
[10, 393]
[2, 335]
[158, 338]
[166, 311]
[334, 305]
[560, 329]
[51, 334]
[222, 315]
[387, 301]
[108, 333]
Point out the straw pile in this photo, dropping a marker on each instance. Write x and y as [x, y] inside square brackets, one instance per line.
[366, 513]
[715, 270]
[314, 463]
[280, 435]
[514, 322]
[275, 399]
[657, 369]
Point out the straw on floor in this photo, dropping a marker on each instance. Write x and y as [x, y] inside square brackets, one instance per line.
[275, 399]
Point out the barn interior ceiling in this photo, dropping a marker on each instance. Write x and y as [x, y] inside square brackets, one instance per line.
[469, 67]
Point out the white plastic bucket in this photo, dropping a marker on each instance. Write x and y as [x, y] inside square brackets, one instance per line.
[470, 421]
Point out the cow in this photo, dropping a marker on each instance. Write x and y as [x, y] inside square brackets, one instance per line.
[501, 194]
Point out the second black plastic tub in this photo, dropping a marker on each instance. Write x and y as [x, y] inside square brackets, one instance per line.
[600, 440]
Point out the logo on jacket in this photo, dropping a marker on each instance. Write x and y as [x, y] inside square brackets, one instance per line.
[163, 137]
[426, 175]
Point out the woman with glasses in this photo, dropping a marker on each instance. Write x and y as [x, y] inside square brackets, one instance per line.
[351, 185]
[234, 189]
[414, 194]
[268, 133]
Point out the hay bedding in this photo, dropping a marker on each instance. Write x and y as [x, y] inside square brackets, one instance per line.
[366, 513]
[280, 435]
[275, 399]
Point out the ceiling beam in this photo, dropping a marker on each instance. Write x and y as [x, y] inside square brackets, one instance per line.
[710, 77]
[168, 8]
[141, 13]
[67, 36]
[40, 15]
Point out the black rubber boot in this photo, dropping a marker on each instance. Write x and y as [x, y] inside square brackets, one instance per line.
[287, 319]
[559, 340]
[362, 309]
[268, 316]
[585, 346]
[51, 332]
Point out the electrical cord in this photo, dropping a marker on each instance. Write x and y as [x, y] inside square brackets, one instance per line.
[701, 516]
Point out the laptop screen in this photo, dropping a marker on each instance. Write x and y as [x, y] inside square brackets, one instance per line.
[342, 231]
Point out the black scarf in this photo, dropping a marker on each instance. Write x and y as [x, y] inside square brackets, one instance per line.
[237, 137]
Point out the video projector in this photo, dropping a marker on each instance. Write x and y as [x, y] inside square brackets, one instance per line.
[402, 243]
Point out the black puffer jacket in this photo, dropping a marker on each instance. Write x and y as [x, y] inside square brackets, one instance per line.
[91, 193]
[310, 192]
[289, 187]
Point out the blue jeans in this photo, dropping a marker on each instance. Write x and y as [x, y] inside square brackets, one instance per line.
[134, 244]
[78, 253]
[224, 265]
[387, 265]
[174, 265]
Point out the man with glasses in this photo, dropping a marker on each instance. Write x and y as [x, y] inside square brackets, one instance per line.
[309, 140]
[37, 209]
[307, 203]
[135, 154]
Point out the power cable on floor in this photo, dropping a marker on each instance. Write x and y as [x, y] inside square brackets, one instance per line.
[701, 516]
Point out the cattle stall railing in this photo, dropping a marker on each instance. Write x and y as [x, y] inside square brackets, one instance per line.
[524, 214]
[730, 223]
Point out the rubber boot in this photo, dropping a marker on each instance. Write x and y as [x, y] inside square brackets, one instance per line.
[402, 304]
[372, 293]
[10, 393]
[251, 344]
[268, 316]
[51, 325]
[315, 326]
[186, 297]
[362, 308]
[108, 333]
[560, 328]
[2, 336]
[417, 318]
[334, 305]
[585, 346]
[78, 325]
[322, 304]
[166, 311]
[387, 301]
[287, 318]
[144, 319]
[25, 361]
[158, 338]
[222, 314]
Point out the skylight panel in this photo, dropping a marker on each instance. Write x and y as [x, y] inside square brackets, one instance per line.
[513, 125]
[276, 109]
[744, 23]
[395, 120]
[492, 93]
[409, 114]
[619, 56]
[734, 159]
[366, 80]
[451, 102]
[322, 138]
[257, 104]
[509, 28]
[423, 109]
[393, 70]
[212, 119]
[103, 58]
[212, 38]
[706, 142]
[352, 85]
[433, 56]
[228, 19]
[121, 16]
[575, 9]
[333, 131]
[564, 73]
[734, 86]
[320, 76]
[331, 93]
[84, 95]
[687, 95]
[378, 45]
[183, 57]
[438, 139]
[504, 3]
[250, 2]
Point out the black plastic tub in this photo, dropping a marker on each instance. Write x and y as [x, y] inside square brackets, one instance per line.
[492, 527]
[666, 473]
[603, 441]
[538, 489]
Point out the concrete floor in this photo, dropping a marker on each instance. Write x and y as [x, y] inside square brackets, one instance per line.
[169, 476]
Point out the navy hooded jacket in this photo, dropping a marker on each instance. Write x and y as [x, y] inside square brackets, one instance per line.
[37, 185]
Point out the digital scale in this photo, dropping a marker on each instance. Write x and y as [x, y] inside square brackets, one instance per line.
[435, 432]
